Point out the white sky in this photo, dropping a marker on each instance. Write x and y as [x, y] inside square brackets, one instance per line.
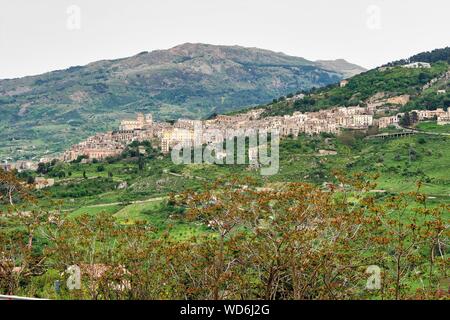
[35, 38]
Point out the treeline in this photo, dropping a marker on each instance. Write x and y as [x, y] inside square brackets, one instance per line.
[428, 101]
[442, 54]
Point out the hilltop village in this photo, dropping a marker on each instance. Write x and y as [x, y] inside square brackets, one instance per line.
[166, 135]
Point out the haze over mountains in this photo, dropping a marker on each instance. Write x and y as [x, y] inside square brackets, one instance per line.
[189, 80]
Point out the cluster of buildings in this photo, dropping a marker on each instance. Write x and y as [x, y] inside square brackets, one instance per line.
[20, 165]
[442, 117]
[112, 143]
[417, 65]
[166, 135]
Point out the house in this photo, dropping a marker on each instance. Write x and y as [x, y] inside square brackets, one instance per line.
[444, 118]
[6, 167]
[141, 121]
[41, 183]
[343, 83]
[385, 122]
[416, 65]
[23, 165]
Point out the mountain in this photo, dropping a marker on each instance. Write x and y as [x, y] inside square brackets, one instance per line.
[347, 69]
[52, 110]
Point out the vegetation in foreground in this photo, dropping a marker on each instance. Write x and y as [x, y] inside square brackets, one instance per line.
[243, 238]
[295, 242]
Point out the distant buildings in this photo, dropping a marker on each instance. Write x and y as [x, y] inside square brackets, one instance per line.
[385, 122]
[6, 166]
[103, 145]
[183, 131]
[416, 65]
[443, 118]
[343, 83]
[138, 124]
[430, 114]
[20, 165]
[41, 183]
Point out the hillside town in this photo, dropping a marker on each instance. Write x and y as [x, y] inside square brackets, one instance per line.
[166, 135]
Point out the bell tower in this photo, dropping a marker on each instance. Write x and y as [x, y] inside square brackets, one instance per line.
[140, 119]
[148, 119]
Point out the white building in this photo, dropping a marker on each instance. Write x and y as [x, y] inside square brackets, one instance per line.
[444, 118]
[343, 83]
[416, 65]
[139, 123]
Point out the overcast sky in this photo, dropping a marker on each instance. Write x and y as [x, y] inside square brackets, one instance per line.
[43, 35]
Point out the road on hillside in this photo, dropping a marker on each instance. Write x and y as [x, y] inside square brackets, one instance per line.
[122, 203]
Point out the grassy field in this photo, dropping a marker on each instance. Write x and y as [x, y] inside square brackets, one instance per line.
[156, 214]
[432, 126]
[112, 209]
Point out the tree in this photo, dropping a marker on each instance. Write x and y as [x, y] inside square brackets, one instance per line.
[141, 162]
[30, 179]
[12, 189]
[43, 168]
[347, 138]
[414, 117]
[292, 243]
[301, 242]
[405, 120]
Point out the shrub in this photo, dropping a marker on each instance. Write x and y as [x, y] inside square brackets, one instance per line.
[421, 140]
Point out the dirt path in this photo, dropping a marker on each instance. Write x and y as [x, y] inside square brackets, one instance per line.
[184, 176]
[125, 203]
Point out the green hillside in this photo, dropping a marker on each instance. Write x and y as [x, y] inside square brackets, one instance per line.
[386, 82]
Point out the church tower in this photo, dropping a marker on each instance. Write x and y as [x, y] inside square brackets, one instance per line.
[148, 119]
[140, 119]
